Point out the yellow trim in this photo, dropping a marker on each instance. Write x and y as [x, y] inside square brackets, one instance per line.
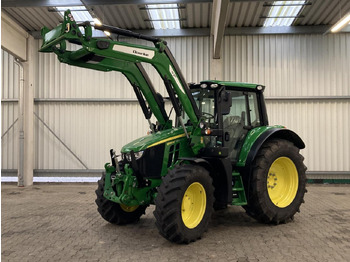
[193, 205]
[282, 182]
[166, 140]
[128, 209]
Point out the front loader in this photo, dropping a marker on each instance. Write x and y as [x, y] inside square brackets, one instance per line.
[219, 151]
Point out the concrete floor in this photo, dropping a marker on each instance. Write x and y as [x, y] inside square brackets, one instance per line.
[59, 222]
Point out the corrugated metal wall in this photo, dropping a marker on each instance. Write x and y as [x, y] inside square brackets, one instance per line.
[301, 67]
[90, 129]
[290, 66]
[9, 111]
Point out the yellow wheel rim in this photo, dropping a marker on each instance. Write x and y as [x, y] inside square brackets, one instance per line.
[282, 182]
[128, 209]
[193, 205]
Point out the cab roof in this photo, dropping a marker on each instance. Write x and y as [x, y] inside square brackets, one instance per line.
[233, 84]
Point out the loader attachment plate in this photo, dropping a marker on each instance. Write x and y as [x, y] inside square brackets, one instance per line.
[54, 40]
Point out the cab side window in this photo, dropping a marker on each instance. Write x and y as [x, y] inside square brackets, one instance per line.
[243, 114]
[254, 110]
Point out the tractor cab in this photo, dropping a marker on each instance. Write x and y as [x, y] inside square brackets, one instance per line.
[229, 110]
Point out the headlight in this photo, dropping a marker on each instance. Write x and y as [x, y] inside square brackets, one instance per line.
[138, 155]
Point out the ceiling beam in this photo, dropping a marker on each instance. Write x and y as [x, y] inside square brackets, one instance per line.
[57, 3]
[142, 2]
[277, 30]
[148, 2]
[218, 21]
[39, 3]
[152, 32]
[261, 1]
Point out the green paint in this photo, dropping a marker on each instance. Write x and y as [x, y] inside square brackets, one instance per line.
[128, 192]
[185, 150]
[144, 142]
[249, 141]
[239, 198]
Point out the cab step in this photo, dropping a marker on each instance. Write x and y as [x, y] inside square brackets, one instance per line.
[238, 193]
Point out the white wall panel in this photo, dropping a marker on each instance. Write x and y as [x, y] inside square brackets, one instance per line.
[290, 65]
[88, 129]
[91, 129]
[9, 111]
[300, 66]
[14, 37]
[324, 127]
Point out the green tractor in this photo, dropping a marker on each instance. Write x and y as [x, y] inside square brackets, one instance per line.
[218, 151]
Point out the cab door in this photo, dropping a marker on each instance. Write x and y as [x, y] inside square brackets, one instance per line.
[243, 116]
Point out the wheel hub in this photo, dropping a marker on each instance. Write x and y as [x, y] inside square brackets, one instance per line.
[193, 205]
[128, 208]
[271, 180]
[282, 182]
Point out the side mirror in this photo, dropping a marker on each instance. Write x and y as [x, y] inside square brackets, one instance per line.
[226, 102]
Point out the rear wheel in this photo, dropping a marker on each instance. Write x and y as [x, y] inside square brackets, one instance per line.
[113, 212]
[184, 204]
[278, 181]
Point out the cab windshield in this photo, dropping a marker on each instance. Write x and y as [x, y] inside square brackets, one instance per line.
[205, 100]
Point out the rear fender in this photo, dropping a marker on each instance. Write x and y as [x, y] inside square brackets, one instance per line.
[258, 136]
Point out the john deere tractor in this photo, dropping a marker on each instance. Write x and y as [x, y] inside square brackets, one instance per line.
[219, 150]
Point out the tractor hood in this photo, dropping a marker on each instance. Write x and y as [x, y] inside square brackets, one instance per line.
[160, 137]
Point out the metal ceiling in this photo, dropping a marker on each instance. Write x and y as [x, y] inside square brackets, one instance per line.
[324, 12]
[196, 15]
[246, 14]
[124, 16]
[193, 13]
[33, 18]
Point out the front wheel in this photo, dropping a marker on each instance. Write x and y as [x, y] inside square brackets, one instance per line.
[113, 212]
[184, 204]
[277, 184]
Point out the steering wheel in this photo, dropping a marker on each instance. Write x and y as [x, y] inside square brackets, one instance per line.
[210, 115]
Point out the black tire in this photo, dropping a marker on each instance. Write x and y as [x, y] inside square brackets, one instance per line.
[111, 211]
[171, 192]
[260, 206]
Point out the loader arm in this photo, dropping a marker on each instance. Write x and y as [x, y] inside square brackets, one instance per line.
[108, 55]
